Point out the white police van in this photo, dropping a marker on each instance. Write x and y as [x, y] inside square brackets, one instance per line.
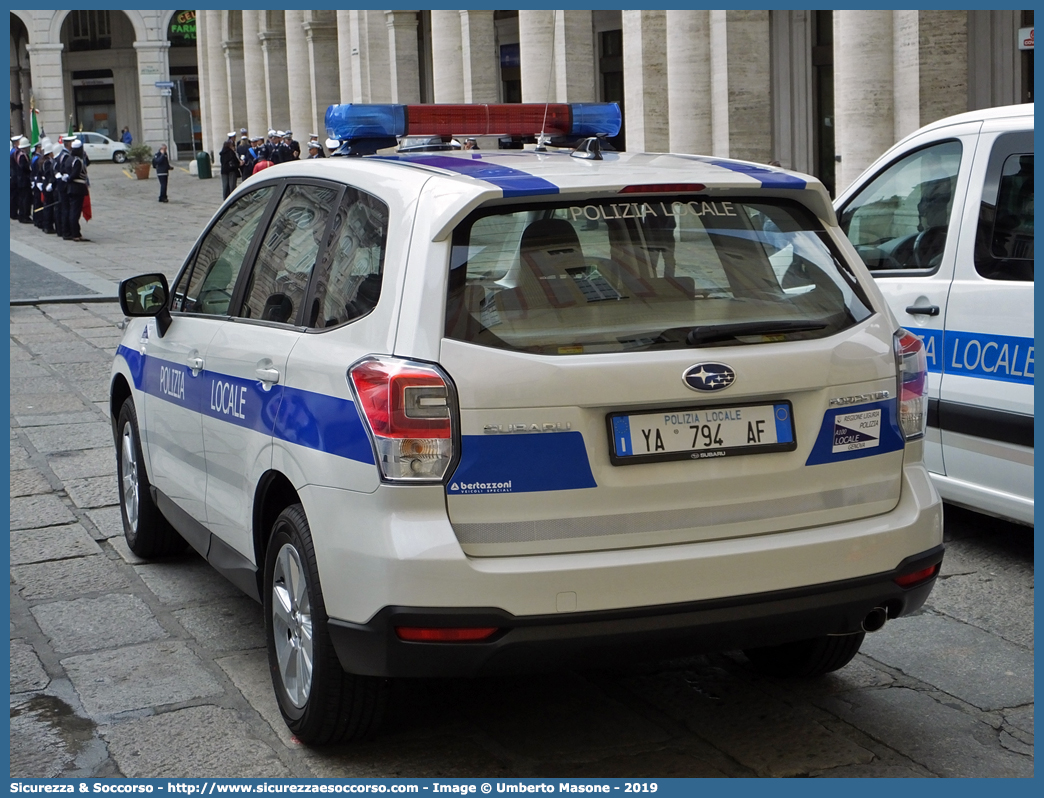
[452, 413]
[944, 221]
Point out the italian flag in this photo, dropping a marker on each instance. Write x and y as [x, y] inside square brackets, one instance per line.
[34, 138]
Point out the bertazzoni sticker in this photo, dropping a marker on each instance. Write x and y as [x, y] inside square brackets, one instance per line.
[853, 431]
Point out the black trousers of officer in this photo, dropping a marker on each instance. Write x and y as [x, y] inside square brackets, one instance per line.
[72, 221]
[59, 207]
[163, 186]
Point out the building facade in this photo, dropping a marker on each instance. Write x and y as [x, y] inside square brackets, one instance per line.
[821, 92]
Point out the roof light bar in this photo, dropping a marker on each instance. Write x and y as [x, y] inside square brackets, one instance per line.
[356, 120]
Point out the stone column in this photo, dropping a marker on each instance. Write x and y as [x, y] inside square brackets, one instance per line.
[370, 70]
[277, 87]
[645, 80]
[574, 57]
[299, 74]
[153, 65]
[217, 81]
[344, 58]
[741, 97]
[864, 98]
[203, 59]
[535, 51]
[481, 68]
[254, 73]
[403, 56]
[234, 68]
[321, 33]
[688, 81]
[377, 58]
[930, 67]
[447, 61]
[45, 61]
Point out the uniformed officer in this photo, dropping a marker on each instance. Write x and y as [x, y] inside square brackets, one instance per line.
[292, 146]
[314, 137]
[78, 185]
[35, 186]
[61, 187]
[14, 190]
[47, 195]
[22, 169]
[280, 152]
[247, 159]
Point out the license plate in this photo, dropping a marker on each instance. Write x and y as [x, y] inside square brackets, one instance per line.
[701, 433]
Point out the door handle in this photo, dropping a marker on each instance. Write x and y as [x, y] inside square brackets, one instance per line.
[923, 310]
[268, 375]
[196, 364]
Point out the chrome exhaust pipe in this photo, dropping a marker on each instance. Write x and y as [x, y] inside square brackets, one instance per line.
[875, 619]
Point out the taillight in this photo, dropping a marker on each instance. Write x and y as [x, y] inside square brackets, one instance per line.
[408, 408]
[424, 634]
[917, 577]
[912, 396]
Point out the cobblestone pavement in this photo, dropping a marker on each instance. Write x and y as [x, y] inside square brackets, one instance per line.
[121, 667]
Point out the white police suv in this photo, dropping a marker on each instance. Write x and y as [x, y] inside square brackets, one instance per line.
[452, 413]
[944, 221]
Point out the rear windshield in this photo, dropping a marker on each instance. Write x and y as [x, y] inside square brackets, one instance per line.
[619, 275]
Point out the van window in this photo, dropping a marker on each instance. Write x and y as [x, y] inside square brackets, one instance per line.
[616, 275]
[1004, 241]
[900, 219]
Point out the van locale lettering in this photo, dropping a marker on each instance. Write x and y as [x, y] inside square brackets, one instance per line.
[639, 210]
[228, 399]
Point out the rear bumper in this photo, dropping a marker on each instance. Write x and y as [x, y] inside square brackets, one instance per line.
[544, 642]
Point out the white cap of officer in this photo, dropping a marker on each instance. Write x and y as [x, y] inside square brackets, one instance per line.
[77, 145]
[23, 143]
[313, 145]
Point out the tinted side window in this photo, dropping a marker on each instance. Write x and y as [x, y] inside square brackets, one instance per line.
[279, 280]
[900, 219]
[1004, 240]
[349, 276]
[220, 257]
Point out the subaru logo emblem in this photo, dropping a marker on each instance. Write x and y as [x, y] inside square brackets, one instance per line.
[709, 377]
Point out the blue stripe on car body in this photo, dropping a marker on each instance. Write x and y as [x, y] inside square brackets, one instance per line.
[326, 424]
[513, 182]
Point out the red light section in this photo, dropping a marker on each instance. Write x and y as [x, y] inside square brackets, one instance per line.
[382, 391]
[514, 119]
[914, 380]
[664, 188]
[909, 580]
[422, 634]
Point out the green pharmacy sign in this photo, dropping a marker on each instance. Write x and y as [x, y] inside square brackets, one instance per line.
[182, 31]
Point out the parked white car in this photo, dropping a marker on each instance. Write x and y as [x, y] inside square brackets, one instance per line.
[465, 412]
[944, 222]
[100, 148]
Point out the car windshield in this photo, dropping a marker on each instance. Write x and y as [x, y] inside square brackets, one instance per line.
[613, 275]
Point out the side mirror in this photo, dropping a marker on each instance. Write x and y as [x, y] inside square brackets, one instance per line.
[146, 295]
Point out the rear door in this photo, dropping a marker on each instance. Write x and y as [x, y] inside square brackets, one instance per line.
[900, 221]
[986, 399]
[661, 370]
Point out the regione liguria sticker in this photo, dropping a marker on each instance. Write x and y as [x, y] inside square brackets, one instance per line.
[854, 431]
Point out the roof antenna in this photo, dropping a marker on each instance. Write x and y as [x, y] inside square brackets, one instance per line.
[543, 138]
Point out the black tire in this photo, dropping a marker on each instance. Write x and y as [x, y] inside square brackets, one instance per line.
[326, 705]
[120, 156]
[806, 658]
[148, 533]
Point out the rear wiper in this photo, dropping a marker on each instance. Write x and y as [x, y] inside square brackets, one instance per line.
[724, 332]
